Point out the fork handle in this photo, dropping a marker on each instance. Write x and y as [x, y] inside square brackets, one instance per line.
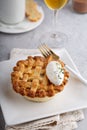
[76, 74]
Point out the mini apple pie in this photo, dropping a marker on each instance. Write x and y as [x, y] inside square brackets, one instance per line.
[29, 78]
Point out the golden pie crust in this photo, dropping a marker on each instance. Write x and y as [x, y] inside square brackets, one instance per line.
[30, 80]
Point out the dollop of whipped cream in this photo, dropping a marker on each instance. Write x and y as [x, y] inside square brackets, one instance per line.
[55, 72]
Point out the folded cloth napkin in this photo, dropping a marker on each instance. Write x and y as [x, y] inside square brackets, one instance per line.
[46, 123]
[65, 121]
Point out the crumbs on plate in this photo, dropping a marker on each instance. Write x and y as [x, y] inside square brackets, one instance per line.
[32, 12]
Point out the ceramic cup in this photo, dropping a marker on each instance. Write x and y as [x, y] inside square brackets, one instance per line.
[12, 11]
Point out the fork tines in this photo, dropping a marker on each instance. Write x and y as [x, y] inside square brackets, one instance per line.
[45, 50]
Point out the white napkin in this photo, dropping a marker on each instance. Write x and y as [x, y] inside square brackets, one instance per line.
[46, 123]
[66, 121]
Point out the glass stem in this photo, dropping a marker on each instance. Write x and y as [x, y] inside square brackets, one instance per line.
[54, 22]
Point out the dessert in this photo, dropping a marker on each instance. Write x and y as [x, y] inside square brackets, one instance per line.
[55, 72]
[32, 12]
[29, 79]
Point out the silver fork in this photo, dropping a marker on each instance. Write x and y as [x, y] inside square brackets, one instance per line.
[46, 51]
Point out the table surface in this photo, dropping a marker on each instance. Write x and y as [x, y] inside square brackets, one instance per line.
[74, 25]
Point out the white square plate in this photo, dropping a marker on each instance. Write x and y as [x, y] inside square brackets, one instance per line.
[17, 109]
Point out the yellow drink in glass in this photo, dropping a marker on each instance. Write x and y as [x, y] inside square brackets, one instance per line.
[54, 37]
[55, 4]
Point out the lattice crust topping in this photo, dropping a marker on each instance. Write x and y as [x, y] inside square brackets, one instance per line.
[29, 78]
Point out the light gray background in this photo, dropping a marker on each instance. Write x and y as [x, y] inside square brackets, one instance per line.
[69, 22]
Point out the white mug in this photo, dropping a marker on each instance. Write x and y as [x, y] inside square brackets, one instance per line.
[12, 11]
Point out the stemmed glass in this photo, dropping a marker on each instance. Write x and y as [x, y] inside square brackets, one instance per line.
[54, 38]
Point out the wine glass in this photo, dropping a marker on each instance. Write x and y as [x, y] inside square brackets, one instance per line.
[54, 38]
